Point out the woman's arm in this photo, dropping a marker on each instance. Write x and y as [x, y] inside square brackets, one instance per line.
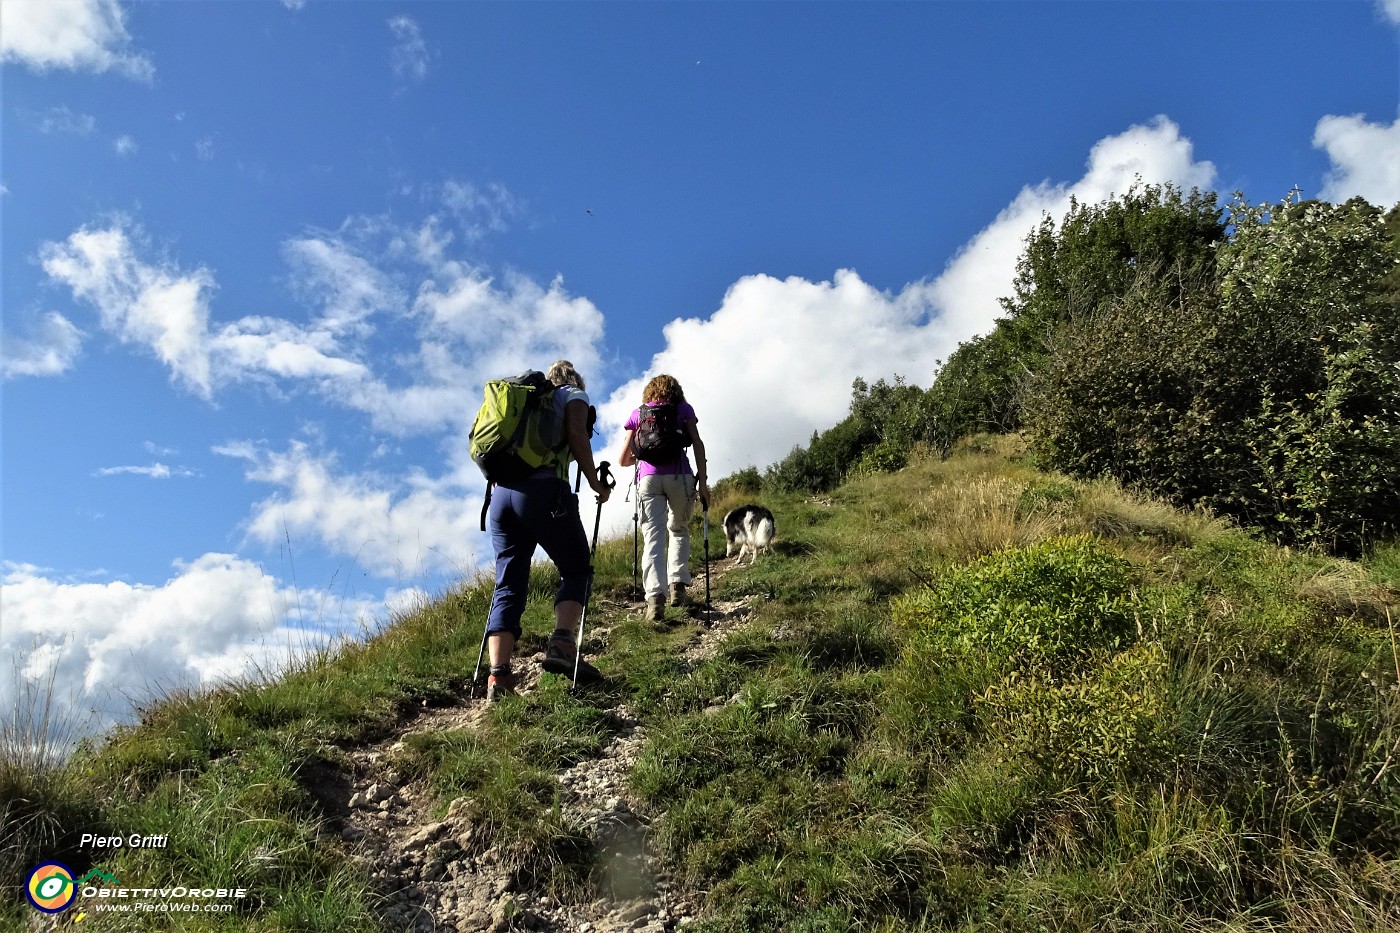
[576, 431]
[702, 484]
[625, 457]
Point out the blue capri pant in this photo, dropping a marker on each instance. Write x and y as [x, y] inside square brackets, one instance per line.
[540, 511]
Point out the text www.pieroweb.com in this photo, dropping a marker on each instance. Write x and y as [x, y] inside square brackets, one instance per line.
[160, 907]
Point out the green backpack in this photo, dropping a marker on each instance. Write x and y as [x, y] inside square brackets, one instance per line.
[517, 431]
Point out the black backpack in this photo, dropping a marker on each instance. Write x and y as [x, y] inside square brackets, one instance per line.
[659, 439]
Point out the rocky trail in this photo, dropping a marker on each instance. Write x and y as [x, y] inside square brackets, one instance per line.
[435, 874]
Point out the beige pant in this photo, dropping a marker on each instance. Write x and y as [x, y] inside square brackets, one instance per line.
[664, 562]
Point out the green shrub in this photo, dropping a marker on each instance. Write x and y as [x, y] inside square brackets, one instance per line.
[1142, 392]
[825, 462]
[978, 388]
[1331, 460]
[1266, 389]
[886, 423]
[745, 483]
[1096, 726]
[897, 414]
[1045, 609]
[1045, 495]
[1069, 270]
[885, 457]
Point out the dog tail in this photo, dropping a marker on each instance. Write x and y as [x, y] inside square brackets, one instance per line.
[760, 530]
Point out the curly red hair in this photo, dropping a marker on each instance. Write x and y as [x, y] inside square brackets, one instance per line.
[663, 388]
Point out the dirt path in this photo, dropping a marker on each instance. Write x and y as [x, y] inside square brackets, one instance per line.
[435, 875]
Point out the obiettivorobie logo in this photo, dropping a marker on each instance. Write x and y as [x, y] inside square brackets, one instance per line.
[53, 889]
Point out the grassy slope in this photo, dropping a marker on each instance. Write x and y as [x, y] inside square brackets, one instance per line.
[1123, 718]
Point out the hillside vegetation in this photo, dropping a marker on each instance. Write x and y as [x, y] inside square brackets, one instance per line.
[972, 696]
[1127, 662]
[1244, 359]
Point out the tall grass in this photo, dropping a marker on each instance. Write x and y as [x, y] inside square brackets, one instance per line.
[41, 801]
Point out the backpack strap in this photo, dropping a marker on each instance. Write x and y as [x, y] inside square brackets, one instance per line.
[486, 505]
[632, 438]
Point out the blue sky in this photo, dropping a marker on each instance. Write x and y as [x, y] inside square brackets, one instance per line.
[259, 257]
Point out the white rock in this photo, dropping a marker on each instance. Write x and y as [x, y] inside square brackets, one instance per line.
[378, 793]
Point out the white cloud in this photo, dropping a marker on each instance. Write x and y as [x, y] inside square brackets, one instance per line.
[348, 285]
[81, 35]
[294, 4]
[124, 145]
[401, 528]
[470, 328]
[154, 305]
[501, 328]
[204, 148]
[1365, 158]
[257, 346]
[107, 644]
[50, 351]
[154, 471]
[63, 120]
[409, 56]
[1390, 9]
[157, 305]
[480, 210]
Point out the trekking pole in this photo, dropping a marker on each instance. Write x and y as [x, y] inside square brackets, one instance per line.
[605, 477]
[636, 516]
[706, 535]
[476, 674]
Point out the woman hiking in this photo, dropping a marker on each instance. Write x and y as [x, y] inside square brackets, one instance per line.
[542, 511]
[657, 434]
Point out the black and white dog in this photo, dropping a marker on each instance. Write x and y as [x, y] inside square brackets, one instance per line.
[749, 527]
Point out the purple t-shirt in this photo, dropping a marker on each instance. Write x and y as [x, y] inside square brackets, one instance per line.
[684, 415]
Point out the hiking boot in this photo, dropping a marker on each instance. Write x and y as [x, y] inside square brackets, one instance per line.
[656, 607]
[678, 594]
[500, 685]
[559, 656]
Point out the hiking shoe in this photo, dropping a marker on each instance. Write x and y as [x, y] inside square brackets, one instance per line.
[559, 656]
[678, 594]
[501, 685]
[656, 607]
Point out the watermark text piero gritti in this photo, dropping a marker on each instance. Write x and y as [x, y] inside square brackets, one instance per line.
[134, 841]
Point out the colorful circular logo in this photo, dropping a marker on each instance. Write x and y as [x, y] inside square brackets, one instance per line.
[50, 888]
